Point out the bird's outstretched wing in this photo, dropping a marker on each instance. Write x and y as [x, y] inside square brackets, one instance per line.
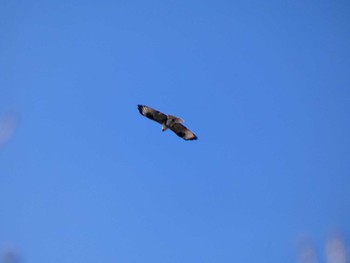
[152, 114]
[183, 132]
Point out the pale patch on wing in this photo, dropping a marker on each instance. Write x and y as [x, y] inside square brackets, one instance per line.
[175, 119]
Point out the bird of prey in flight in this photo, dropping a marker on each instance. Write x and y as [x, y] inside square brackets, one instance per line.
[168, 122]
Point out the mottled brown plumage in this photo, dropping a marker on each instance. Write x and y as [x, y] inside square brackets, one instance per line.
[168, 122]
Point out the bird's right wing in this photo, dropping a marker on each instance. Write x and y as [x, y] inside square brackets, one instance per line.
[183, 132]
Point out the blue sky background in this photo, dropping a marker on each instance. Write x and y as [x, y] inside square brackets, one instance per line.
[264, 85]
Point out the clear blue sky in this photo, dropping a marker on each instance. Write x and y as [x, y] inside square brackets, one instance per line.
[264, 84]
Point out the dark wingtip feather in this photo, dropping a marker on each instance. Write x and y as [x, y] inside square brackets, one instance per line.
[140, 107]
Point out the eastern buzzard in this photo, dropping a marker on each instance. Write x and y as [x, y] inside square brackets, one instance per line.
[167, 121]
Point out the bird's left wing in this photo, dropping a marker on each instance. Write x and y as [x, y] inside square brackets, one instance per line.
[152, 114]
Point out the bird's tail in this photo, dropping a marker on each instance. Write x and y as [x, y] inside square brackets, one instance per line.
[164, 127]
